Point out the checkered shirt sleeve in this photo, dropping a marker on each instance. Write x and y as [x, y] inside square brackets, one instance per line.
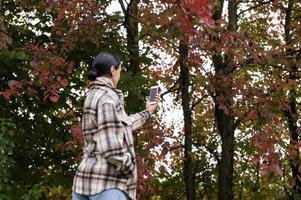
[138, 119]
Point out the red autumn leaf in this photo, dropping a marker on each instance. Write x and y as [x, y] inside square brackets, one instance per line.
[60, 17]
[69, 69]
[54, 98]
[264, 171]
[5, 41]
[263, 142]
[197, 60]
[64, 83]
[276, 169]
[299, 178]
[292, 182]
[265, 112]
[13, 84]
[162, 169]
[201, 9]
[76, 131]
[45, 73]
[57, 72]
[252, 115]
[7, 95]
[169, 1]
[57, 61]
[31, 91]
[297, 146]
[70, 145]
[256, 160]
[33, 63]
[277, 121]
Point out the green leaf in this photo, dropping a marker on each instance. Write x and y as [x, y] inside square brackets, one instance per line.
[20, 55]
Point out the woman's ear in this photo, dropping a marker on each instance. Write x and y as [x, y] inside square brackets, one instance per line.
[112, 69]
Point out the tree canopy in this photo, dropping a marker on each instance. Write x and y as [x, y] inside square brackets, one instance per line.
[232, 67]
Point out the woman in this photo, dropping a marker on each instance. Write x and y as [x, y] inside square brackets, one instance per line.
[108, 168]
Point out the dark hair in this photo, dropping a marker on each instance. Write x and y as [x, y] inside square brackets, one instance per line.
[102, 65]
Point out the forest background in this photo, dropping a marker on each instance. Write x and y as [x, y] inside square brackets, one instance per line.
[231, 67]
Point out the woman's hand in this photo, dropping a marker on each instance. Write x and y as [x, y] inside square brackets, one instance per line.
[152, 106]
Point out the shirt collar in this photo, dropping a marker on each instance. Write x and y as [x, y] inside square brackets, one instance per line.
[104, 81]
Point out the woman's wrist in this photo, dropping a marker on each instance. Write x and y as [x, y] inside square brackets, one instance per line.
[148, 113]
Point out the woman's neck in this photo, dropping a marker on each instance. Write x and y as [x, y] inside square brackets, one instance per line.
[108, 79]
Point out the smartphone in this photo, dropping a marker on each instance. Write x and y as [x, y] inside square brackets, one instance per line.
[153, 93]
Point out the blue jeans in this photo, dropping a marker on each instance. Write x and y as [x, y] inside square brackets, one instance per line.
[110, 194]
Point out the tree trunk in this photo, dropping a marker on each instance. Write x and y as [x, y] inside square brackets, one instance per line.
[185, 96]
[225, 126]
[131, 25]
[291, 113]
[223, 109]
[132, 65]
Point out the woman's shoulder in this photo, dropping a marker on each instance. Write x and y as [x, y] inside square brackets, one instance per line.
[106, 95]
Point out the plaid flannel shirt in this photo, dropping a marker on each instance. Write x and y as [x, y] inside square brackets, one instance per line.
[109, 156]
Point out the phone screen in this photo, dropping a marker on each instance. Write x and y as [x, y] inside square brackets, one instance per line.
[153, 93]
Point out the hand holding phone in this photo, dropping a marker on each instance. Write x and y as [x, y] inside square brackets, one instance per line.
[153, 100]
[153, 94]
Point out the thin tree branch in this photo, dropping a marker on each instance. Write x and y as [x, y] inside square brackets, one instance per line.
[177, 145]
[214, 153]
[171, 89]
[197, 102]
[127, 12]
[255, 6]
[124, 10]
